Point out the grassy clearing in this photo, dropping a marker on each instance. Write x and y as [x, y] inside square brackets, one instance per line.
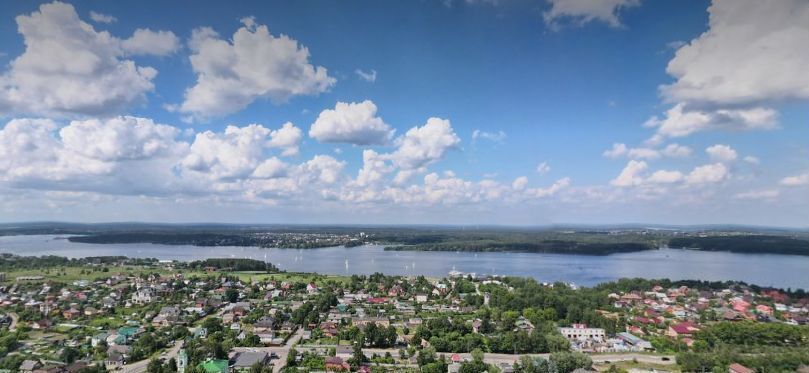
[71, 274]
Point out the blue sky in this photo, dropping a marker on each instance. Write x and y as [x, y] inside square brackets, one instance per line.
[522, 112]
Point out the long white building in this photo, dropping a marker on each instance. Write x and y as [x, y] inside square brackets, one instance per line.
[580, 332]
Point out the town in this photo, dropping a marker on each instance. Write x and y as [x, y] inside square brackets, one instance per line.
[241, 315]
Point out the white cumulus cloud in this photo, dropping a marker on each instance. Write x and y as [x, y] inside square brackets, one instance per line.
[796, 180]
[287, 138]
[351, 123]
[722, 153]
[70, 68]
[584, 11]
[253, 64]
[753, 52]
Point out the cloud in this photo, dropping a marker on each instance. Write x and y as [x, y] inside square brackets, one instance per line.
[643, 153]
[145, 42]
[766, 194]
[520, 183]
[679, 121]
[665, 177]
[119, 138]
[369, 76]
[581, 12]
[374, 168]
[287, 138]
[270, 169]
[752, 56]
[69, 68]
[752, 160]
[121, 155]
[796, 180]
[754, 52]
[102, 18]
[549, 191]
[634, 175]
[709, 173]
[543, 168]
[617, 150]
[722, 153]
[498, 136]
[30, 154]
[672, 150]
[232, 154]
[676, 151]
[253, 64]
[351, 123]
[132, 156]
[423, 146]
[324, 168]
[631, 174]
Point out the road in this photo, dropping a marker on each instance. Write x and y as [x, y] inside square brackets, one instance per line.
[492, 358]
[14, 319]
[140, 366]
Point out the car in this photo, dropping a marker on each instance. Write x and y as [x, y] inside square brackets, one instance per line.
[273, 355]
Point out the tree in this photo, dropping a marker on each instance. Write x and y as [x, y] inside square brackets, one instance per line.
[426, 356]
[567, 362]
[291, 357]
[155, 366]
[232, 295]
[476, 365]
[69, 355]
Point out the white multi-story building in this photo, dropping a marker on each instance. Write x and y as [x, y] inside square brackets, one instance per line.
[580, 332]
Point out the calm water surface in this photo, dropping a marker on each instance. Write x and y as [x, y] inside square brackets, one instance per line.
[762, 269]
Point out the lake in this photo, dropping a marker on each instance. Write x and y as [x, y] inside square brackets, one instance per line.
[784, 271]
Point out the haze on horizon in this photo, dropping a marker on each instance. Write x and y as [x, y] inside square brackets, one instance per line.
[505, 112]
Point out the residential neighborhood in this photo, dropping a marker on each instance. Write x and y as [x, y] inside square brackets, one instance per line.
[166, 317]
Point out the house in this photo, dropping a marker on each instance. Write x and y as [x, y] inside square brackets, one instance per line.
[637, 343]
[476, 325]
[41, 324]
[764, 309]
[114, 361]
[522, 324]
[738, 368]
[266, 337]
[91, 311]
[311, 288]
[96, 339]
[243, 361]
[144, 296]
[263, 324]
[334, 363]
[362, 322]
[580, 332]
[71, 314]
[121, 349]
[329, 329]
[683, 329]
[29, 366]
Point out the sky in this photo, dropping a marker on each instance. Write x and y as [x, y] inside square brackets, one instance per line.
[495, 112]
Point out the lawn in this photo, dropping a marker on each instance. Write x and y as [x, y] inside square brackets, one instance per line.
[70, 274]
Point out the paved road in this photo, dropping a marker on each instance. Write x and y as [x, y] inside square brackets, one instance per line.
[492, 358]
[14, 319]
[140, 366]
